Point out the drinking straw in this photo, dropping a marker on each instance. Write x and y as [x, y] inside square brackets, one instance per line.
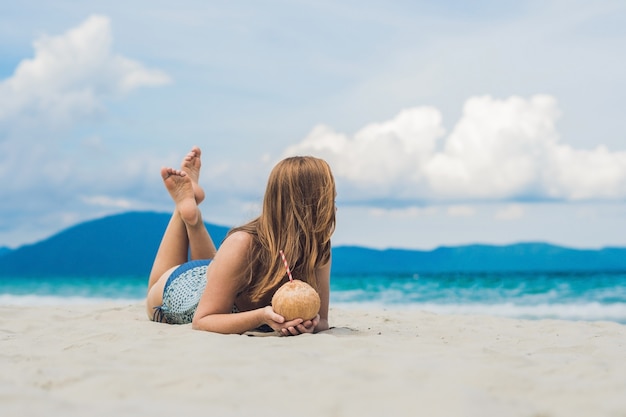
[282, 255]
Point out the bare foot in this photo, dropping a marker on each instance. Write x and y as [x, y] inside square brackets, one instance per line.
[191, 165]
[180, 188]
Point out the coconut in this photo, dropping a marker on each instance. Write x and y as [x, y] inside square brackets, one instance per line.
[296, 299]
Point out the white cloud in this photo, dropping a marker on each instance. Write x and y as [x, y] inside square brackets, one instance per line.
[69, 77]
[498, 150]
[380, 156]
[461, 211]
[50, 152]
[510, 212]
[403, 213]
[66, 83]
[580, 174]
[109, 202]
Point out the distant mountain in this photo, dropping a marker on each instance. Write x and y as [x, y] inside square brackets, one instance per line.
[4, 250]
[125, 245]
[473, 258]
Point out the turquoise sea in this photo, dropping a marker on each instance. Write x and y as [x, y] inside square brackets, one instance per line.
[587, 296]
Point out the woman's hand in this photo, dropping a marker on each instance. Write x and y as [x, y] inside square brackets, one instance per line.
[307, 326]
[288, 328]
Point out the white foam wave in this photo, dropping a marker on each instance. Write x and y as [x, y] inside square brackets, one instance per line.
[49, 300]
[592, 311]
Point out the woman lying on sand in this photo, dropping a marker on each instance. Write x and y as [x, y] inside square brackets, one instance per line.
[229, 290]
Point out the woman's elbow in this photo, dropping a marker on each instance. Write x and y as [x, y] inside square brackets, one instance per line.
[322, 326]
[196, 323]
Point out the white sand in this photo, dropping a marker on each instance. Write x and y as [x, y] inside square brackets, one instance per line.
[110, 360]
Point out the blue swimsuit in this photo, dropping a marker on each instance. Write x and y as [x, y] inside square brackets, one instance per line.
[182, 293]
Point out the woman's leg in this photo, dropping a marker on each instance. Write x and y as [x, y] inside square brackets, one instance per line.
[185, 232]
[201, 245]
[173, 249]
[187, 194]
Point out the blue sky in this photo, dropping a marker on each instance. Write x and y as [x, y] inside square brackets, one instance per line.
[445, 123]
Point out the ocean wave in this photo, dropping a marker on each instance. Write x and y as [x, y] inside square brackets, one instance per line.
[51, 300]
[592, 311]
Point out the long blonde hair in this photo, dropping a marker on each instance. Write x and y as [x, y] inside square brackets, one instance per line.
[298, 217]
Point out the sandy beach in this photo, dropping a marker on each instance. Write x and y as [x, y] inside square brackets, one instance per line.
[110, 360]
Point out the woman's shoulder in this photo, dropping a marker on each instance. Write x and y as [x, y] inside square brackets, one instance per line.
[233, 251]
[238, 238]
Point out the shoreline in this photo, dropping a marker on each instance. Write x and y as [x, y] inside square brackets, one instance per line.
[574, 312]
[108, 358]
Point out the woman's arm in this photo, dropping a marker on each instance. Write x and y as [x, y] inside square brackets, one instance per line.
[323, 286]
[229, 323]
[319, 323]
[225, 279]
